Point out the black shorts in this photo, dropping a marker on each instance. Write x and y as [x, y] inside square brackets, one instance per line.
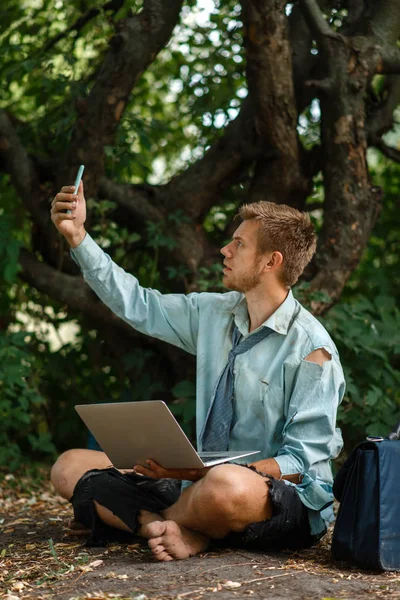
[126, 494]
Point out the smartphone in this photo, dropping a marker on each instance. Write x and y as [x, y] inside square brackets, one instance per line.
[77, 182]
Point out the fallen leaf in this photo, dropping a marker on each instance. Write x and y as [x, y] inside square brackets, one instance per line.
[231, 585]
[30, 546]
[96, 563]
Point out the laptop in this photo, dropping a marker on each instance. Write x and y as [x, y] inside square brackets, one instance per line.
[131, 432]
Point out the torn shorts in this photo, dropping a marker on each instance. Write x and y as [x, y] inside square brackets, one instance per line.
[126, 494]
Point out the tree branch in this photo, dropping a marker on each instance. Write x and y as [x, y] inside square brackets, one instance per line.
[77, 295]
[112, 5]
[18, 165]
[278, 176]
[351, 203]
[316, 22]
[388, 151]
[202, 184]
[355, 11]
[309, 70]
[136, 44]
[380, 115]
[302, 60]
[67, 289]
[389, 61]
[35, 197]
[143, 203]
[138, 200]
[385, 21]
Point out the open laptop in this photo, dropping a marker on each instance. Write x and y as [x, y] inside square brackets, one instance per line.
[131, 432]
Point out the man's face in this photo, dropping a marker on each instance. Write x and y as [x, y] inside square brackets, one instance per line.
[243, 266]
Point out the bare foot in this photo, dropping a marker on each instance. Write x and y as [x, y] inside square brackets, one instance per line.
[146, 517]
[72, 524]
[77, 529]
[168, 541]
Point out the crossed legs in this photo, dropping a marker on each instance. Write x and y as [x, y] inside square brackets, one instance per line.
[227, 499]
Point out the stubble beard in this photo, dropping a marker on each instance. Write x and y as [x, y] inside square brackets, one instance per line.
[246, 281]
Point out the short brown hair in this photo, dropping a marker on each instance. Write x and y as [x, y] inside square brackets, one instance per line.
[286, 230]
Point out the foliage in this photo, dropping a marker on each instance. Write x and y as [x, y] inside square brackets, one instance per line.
[22, 426]
[367, 333]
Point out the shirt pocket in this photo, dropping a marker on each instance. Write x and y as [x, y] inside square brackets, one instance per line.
[256, 400]
[274, 411]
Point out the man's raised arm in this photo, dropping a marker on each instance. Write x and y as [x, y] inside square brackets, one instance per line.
[171, 317]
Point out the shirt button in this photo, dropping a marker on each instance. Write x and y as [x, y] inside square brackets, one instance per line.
[234, 371]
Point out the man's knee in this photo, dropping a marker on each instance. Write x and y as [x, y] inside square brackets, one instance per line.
[236, 493]
[226, 481]
[71, 465]
[61, 474]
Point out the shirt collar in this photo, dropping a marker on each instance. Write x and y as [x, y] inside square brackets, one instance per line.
[279, 321]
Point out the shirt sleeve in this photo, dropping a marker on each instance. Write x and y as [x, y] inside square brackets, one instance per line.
[169, 317]
[309, 434]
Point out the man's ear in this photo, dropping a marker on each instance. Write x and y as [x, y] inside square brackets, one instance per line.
[275, 261]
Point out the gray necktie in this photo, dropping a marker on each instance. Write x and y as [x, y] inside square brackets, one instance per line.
[215, 434]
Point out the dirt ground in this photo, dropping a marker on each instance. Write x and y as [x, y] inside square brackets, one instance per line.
[40, 557]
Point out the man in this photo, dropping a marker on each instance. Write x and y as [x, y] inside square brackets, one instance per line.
[268, 378]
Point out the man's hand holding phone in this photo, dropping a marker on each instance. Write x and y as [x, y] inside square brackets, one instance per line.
[68, 212]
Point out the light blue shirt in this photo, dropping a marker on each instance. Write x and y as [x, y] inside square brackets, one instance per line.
[284, 406]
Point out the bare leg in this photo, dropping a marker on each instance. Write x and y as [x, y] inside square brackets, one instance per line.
[70, 467]
[67, 471]
[227, 499]
[65, 474]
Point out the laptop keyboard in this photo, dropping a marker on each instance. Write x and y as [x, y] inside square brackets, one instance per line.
[208, 458]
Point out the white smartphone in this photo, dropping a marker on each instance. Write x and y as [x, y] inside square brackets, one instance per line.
[77, 182]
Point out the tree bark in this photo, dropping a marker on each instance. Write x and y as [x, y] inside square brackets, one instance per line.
[351, 202]
[277, 178]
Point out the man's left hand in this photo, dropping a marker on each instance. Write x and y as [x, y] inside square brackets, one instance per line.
[156, 471]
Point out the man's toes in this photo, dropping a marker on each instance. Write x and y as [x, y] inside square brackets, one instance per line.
[154, 529]
[73, 524]
[163, 556]
[153, 542]
[158, 549]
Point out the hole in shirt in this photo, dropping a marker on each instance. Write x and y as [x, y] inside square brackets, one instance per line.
[319, 356]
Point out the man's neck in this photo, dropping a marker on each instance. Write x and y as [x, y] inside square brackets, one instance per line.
[262, 304]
